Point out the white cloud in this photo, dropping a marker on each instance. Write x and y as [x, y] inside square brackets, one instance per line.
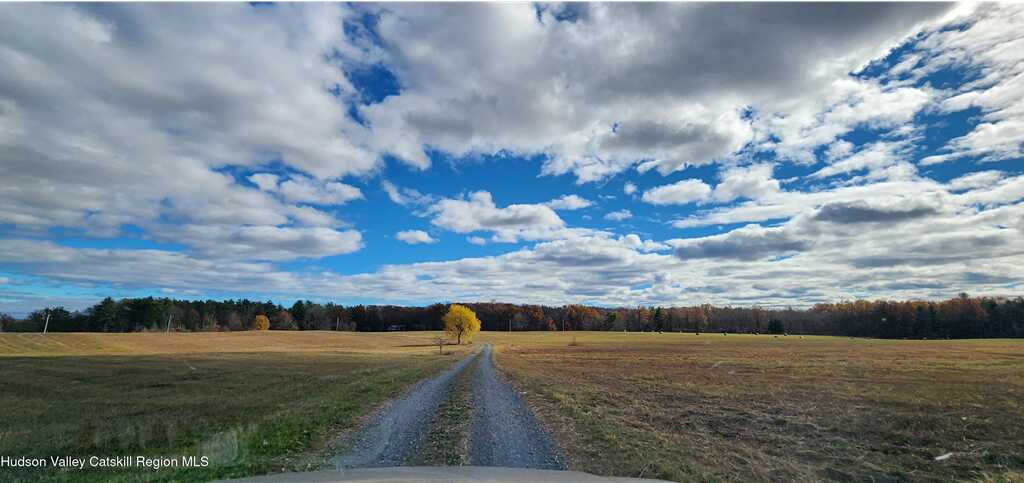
[264, 181]
[873, 157]
[225, 242]
[751, 242]
[414, 237]
[678, 193]
[140, 268]
[405, 196]
[1005, 191]
[787, 204]
[634, 241]
[477, 212]
[839, 149]
[979, 179]
[654, 87]
[569, 202]
[928, 257]
[302, 189]
[176, 131]
[751, 182]
[861, 211]
[171, 122]
[618, 215]
[307, 190]
[793, 134]
[991, 43]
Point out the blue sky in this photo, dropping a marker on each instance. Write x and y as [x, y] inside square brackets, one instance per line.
[609, 154]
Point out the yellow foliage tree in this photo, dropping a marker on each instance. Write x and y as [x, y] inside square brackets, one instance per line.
[460, 322]
[261, 323]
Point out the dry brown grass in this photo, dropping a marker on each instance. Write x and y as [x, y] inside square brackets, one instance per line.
[252, 402]
[154, 343]
[741, 408]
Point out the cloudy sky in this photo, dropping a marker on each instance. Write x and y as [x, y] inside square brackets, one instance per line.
[610, 154]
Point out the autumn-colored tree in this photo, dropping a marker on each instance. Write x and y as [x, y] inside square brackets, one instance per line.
[284, 321]
[460, 322]
[261, 322]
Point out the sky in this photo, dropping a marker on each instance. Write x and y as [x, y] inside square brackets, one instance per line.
[606, 154]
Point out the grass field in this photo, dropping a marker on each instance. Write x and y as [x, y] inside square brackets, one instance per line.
[253, 402]
[675, 406]
[741, 408]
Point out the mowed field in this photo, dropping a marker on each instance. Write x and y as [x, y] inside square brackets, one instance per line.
[674, 406]
[254, 402]
[744, 408]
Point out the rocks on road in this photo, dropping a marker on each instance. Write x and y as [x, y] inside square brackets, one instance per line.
[392, 435]
[504, 431]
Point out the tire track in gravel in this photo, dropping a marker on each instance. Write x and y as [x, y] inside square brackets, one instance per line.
[504, 431]
[393, 434]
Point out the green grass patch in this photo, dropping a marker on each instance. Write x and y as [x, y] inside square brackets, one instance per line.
[447, 442]
[249, 413]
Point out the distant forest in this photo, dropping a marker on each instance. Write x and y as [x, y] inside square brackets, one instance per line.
[958, 318]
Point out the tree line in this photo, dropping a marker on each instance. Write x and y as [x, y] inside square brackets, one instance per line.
[959, 318]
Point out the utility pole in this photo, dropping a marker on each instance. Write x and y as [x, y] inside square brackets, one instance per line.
[169, 316]
[46, 326]
[510, 325]
[337, 323]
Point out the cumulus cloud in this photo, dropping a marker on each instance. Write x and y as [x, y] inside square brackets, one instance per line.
[302, 189]
[139, 268]
[618, 215]
[863, 212]
[569, 202]
[175, 109]
[414, 237]
[839, 149]
[751, 242]
[783, 265]
[265, 181]
[1002, 192]
[787, 204]
[664, 84]
[477, 212]
[267, 242]
[678, 193]
[306, 190]
[939, 249]
[634, 241]
[752, 182]
[239, 161]
[979, 179]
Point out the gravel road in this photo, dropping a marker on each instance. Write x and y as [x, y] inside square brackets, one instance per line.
[504, 431]
[393, 433]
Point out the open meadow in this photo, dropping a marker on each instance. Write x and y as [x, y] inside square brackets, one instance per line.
[685, 407]
[676, 406]
[253, 402]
